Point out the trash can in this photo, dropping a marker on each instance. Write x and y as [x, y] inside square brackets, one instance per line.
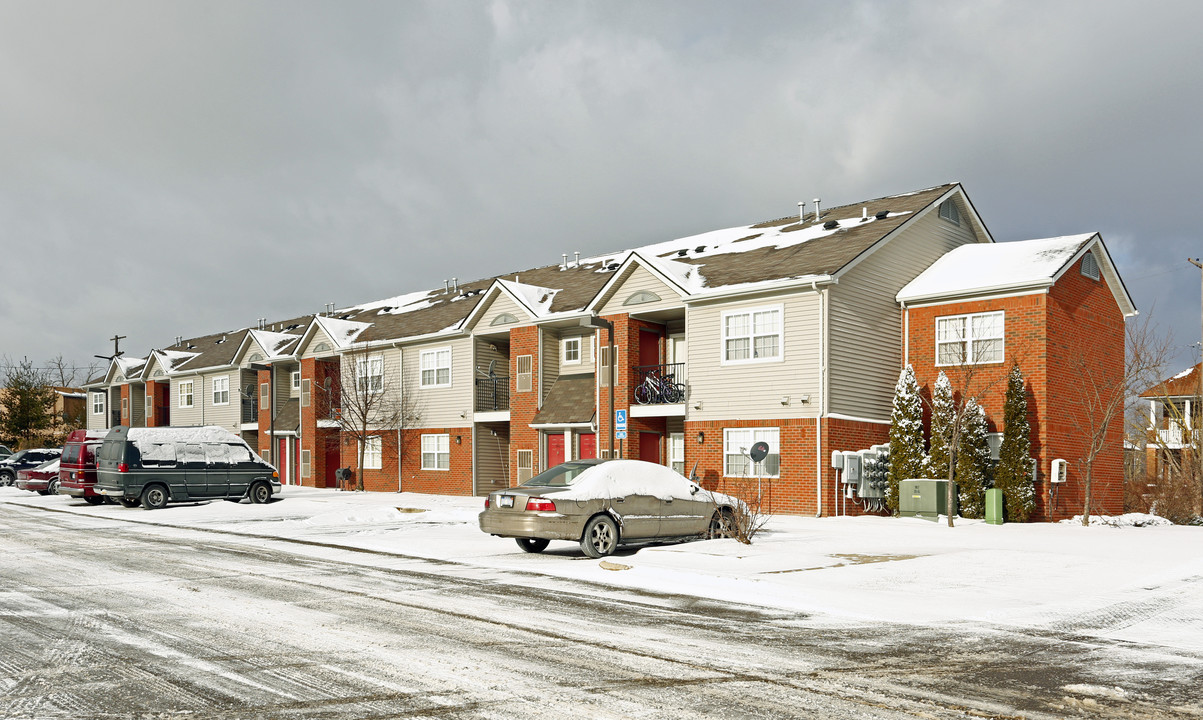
[994, 506]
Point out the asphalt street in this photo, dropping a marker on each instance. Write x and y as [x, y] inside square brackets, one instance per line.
[102, 618]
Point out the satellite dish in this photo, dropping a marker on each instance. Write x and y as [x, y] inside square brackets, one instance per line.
[326, 382]
[759, 451]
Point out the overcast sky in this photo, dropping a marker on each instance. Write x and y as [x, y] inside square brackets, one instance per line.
[182, 168]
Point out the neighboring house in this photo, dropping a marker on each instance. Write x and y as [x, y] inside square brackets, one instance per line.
[66, 412]
[789, 332]
[1173, 422]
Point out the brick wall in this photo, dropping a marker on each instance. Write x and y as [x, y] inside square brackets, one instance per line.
[523, 405]
[793, 493]
[455, 481]
[841, 434]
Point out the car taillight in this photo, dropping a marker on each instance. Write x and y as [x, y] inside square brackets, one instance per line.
[122, 467]
[79, 474]
[538, 504]
[486, 502]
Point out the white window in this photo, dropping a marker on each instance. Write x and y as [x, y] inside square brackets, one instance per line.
[754, 335]
[369, 373]
[676, 452]
[436, 452]
[970, 339]
[264, 396]
[738, 442]
[372, 459]
[307, 463]
[949, 212]
[98, 403]
[221, 391]
[296, 379]
[603, 369]
[572, 350]
[436, 368]
[306, 392]
[185, 393]
[525, 467]
[523, 366]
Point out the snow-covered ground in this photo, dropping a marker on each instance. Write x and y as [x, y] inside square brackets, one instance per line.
[1136, 584]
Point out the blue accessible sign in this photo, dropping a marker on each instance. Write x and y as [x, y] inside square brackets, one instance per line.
[620, 420]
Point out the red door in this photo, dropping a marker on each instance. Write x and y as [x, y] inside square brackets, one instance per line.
[588, 443]
[649, 348]
[281, 460]
[555, 450]
[332, 460]
[649, 447]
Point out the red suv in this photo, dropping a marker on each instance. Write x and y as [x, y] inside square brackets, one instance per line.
[77, 466]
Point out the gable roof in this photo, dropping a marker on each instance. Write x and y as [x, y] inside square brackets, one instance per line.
[1184, 384]
[1011, 267]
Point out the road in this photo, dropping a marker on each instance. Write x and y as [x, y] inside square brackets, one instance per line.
[103, 618]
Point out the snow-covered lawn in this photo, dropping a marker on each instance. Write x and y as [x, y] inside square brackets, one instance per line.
[1140, 584]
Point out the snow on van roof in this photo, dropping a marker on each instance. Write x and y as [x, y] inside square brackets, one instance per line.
[205, 433]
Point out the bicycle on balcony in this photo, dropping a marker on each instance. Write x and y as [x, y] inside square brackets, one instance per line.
[657, 389]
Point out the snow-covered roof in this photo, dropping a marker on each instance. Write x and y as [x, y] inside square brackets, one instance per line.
[537, 300]
[994, 268]
[342, 332]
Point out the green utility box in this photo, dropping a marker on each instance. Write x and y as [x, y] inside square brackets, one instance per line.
[922, 498]
[994, 506]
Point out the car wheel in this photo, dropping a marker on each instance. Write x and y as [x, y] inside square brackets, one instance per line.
[600, 538]
[52, 489]
[94, 500]
[6, 477]
[128, 503]
[260, 493]
[722, 525]
[532, 545]
[154, 497]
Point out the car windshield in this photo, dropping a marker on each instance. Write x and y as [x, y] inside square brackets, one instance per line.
[561, 475]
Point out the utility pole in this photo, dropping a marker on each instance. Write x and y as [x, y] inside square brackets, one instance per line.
[1197, 433]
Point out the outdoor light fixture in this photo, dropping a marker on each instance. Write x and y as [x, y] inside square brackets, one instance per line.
[458, 440]
[701, 437]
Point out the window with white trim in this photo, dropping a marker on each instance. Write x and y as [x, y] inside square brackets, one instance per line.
[603, 367]
[738, 442]
[436, 368]
[185, 393]
[572, 350]
[296, 379]
[369, 373]
[676, 452]
[523, 368]
[970, 339]
[221, 391]
[98, 403]
[436, 452]
[307, 463]
[754, 335]
[525, 465]
[372, 455]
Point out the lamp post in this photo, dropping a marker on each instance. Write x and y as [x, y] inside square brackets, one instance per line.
[595, 321]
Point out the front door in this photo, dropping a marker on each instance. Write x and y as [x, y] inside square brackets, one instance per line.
[649, 447]
[588, 445]
[282, 460]
[649, 348]
[332, 460]
[555, 449]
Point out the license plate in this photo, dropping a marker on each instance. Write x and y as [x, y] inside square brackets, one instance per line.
[505, 501]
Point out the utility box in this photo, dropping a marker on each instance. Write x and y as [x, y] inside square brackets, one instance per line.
[923, 498]
[994, 506]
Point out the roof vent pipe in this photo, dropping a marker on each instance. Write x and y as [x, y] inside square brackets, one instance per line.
[802, 211]
[817, 213]
[864, 214]
[446, 287]
[455, 284]
[577, 261]
[564, 265]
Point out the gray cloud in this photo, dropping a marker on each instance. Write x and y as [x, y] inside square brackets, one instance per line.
[187, 167]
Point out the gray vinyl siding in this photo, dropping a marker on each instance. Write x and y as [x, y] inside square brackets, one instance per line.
[639, 278]
[203, 411]
[253, 348]
[137, 405]
[492, 453]
[441, 407]
[389, 406]
[753, 391]
[501, 304]
[284, 384]
[319, 337]
[549, 366]
[865, 321]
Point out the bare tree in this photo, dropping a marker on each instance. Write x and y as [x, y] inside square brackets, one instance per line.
[62, 373]
[368, 404]
[1102, 395]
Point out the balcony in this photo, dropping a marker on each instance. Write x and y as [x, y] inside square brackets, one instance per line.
[658, 390]
[492, 394]
[250, 409]
[1176, 437]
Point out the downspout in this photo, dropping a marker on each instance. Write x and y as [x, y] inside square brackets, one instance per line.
[822, 393]
[401, 420]
[906, 336]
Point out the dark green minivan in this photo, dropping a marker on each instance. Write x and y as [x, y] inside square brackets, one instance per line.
[155, 466]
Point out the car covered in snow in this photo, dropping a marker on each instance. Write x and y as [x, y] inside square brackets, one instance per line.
[25, 460]
[42, 479]
[155, 466]
[605, 503]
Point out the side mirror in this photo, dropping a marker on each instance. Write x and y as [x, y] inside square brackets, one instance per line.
[693, 489]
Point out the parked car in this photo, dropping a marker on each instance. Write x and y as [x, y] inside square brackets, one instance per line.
[605, 503]
[77, 467]
[43, 479]
[155, 466]
[4, 452]
[24, 460]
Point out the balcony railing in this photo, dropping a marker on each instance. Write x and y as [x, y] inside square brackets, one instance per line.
[492, 394]
[1177, 436]
[659, 384]
[115, 418]
[250, 409]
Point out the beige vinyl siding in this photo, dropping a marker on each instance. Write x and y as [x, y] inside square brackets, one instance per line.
[639, 278]
[392, 385]
[441, 407]
[753, 391]
[500, 305]
[253, 348]
[865, 321]
[549, 365]
[492, 453]
[137, 405]
[98, 421]
[319, 336]
[284, 384]
[203, 411]
[588, 361]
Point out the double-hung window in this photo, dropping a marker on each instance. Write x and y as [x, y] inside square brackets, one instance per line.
[436, 368]
[970, 339]
[436, 452]
[754, 335]
[369, 374]
[737, 444]
[185, 393]
[221, 391]
[572, 350]
[98, 403]
[372, 459]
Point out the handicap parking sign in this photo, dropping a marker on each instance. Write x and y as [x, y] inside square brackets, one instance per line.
[620, 419]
